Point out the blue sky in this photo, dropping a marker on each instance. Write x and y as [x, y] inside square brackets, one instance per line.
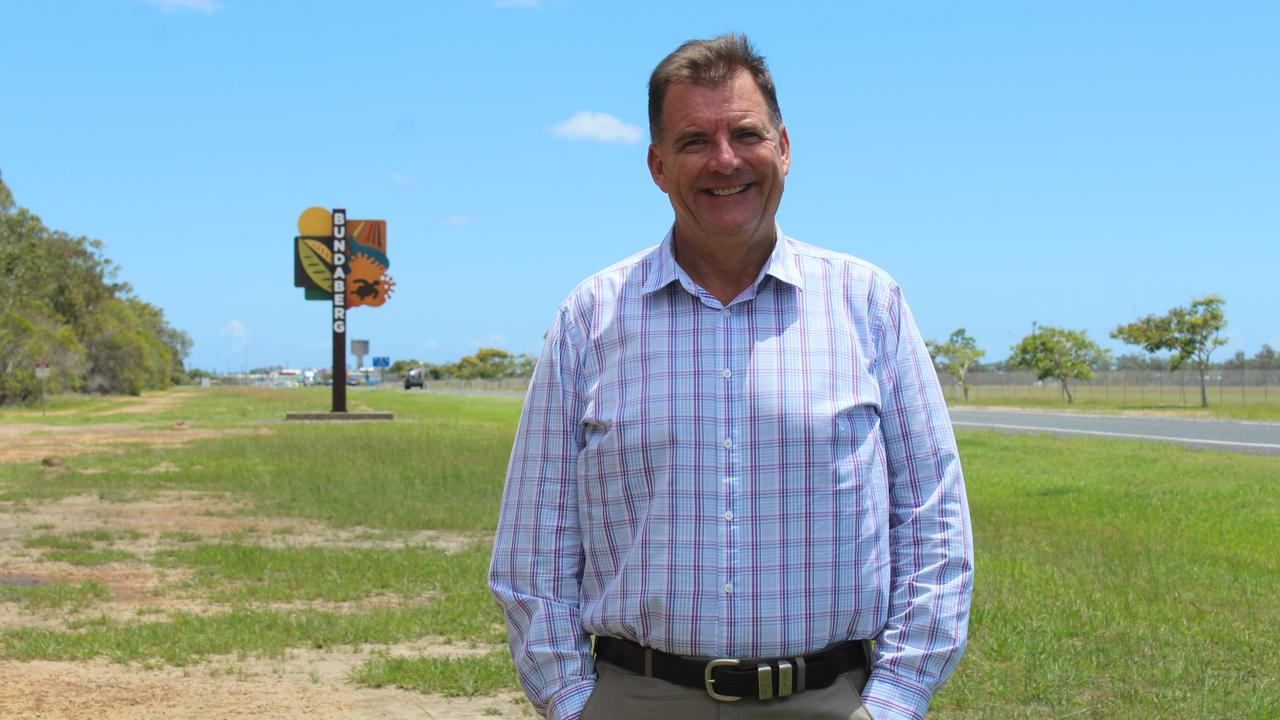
[1073, 164]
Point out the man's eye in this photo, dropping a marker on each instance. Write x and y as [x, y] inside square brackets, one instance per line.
[693, 144]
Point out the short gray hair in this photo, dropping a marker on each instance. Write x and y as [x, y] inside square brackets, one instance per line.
[710, 63]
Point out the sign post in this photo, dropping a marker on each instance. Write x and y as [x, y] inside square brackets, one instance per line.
[42, 372]
[344, 262]
[338, 248]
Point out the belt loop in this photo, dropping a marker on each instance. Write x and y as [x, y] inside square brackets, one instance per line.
[799, 674]
[648, 662]
[785, 679]
[764, 681]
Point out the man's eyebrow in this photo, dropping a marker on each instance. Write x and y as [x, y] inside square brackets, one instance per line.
[753, 126]
[687, 135]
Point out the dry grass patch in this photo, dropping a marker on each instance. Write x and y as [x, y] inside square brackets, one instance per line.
[33, 442]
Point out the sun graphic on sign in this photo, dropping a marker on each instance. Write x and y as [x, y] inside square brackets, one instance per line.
[367, 281]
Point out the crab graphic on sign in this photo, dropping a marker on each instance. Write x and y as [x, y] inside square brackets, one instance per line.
[365, 280]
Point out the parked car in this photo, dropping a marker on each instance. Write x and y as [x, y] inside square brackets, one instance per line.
[415, 377]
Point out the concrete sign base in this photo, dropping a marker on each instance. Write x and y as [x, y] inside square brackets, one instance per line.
[339, 416]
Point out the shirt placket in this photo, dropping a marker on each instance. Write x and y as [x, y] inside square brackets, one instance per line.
[728, 420]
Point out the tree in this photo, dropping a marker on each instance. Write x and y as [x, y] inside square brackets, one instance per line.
[1059, 354]
[486, 364]
[1266, 359]
[125, 357]
[1134, 361]
[30, 334]
[956, 356]
[1192, 333]
[6, 197]
[400, 367]
[60, 305]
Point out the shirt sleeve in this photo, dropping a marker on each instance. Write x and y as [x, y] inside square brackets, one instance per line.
[930, 539]
[536, 570]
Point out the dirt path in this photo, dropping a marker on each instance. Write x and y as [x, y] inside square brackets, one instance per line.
[33, 442]
[309, 686]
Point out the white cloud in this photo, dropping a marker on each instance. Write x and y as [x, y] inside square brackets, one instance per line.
[236, 332]
[208, 7]
[457, 220]
[402, 180]
[495, 340]
[587, 125]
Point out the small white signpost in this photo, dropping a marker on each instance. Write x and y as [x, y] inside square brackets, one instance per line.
[42, 372]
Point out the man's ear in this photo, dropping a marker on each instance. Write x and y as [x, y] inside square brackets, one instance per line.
[784, 149]
[656, 168]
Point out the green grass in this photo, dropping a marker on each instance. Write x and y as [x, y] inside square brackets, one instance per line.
[439, 465]
[251, 573]
[1119, 579]
[185, 639]
[80, 540]
[55, 596]
[453, 677]
[63, 408]
[104, 556]
[1114, 579]
[1228, 404]
[57, 542]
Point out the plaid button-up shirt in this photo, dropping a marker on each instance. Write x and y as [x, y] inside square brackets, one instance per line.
[758, 479]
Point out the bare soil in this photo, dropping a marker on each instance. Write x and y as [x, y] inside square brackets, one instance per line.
[32, 442]
[310, 685]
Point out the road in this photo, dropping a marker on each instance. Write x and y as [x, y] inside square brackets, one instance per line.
[1260, 438]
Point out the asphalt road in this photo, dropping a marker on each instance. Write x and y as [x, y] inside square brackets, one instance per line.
[1259, 438]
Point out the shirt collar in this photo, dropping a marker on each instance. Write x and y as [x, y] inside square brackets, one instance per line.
[781, 263]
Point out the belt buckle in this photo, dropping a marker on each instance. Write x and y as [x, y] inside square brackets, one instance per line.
[711, 683]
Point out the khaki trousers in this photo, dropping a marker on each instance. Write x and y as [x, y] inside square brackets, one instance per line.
[623, 695]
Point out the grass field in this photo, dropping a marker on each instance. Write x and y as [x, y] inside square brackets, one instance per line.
[1254, 403]
[1115, 579]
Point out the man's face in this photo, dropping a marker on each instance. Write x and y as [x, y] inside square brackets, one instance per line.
[721, 161]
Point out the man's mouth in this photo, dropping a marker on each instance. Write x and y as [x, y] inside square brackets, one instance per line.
[722, 192]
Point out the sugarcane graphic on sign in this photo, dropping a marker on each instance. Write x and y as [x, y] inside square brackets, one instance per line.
[343, 261]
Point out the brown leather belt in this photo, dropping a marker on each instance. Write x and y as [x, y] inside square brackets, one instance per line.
[730, 680]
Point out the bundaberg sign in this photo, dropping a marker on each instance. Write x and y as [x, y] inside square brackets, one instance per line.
[342, 261]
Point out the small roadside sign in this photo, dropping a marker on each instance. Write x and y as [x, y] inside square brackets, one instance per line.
[382, 362]
[42, 372]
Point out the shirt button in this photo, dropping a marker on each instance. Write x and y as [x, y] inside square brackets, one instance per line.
[728, 587]
[728, 443]
[727, 373]
[728, 514]
[726, 312]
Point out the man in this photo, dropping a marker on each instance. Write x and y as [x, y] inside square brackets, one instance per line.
[734, 464]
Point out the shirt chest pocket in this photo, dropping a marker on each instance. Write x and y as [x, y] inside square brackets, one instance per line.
[629, 450]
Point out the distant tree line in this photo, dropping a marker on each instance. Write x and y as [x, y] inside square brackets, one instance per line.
[1188, 335]
[485, 364]
[61, 305]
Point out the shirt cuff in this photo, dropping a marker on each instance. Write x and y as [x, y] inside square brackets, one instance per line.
[570, 701]
[888, 697]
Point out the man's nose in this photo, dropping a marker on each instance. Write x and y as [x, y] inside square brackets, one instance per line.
[724, 157]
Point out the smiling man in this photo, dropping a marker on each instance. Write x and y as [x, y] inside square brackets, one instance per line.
[734, 466]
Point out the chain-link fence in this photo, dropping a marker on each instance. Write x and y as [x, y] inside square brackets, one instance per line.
[1181, 388]
[512, 384]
